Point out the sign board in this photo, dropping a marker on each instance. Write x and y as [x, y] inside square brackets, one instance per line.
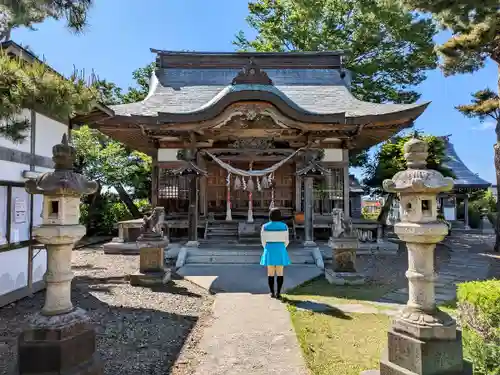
[19, 211]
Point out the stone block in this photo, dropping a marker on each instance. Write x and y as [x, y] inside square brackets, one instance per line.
[151, 259]
[64, 344]
[150, 278]
[407, 355]
[344, 278]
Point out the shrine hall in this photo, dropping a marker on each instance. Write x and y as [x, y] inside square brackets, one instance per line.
[232, 135]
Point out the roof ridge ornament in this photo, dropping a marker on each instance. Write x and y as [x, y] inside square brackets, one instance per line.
[252, 74]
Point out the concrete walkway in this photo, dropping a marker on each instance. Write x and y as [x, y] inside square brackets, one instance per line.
[465, 264]
[250, 334]
[245, 278]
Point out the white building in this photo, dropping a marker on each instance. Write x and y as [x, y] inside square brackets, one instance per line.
[23, 263]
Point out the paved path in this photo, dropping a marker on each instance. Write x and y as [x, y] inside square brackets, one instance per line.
[465, 264]
[248, 278]
[251, 334]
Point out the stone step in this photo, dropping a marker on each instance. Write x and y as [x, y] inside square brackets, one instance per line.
[243, 256]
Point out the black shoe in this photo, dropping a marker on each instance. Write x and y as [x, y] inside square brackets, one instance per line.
[278, 296]
[273, 295]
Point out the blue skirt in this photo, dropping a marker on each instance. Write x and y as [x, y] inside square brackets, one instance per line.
[275, 254]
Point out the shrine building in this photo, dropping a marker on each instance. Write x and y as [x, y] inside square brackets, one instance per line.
[233, 134]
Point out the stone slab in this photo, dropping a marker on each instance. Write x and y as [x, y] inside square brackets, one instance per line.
[125, 248]
[344, 278]
[244, 278]
[150, 278]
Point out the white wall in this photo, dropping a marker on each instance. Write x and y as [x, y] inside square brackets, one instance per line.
[48, 132]
[167, 154]
[14, 263]
[333, 154]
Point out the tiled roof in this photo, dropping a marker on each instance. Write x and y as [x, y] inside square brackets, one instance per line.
[464, 177]
[311, 91]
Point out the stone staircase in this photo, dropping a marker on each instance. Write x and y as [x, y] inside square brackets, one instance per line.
[242, 254]
[221, 232]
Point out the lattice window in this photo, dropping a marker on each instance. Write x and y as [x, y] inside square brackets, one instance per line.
[172, 187]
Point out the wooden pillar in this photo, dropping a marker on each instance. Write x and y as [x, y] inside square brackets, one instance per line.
[308, 211]
[155, 171]
[193, 211]
[200, 161]
[466, 211]
[298, 194]
[345, 159]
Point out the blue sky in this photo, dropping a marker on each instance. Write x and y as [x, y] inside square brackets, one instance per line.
[122, 31]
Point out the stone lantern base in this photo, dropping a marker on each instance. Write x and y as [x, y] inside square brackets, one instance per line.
[59, 344]
[152, 269]
[417, 349]
[344, 254]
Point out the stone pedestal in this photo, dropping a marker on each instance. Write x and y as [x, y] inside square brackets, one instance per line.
[344, 254]
[59, 339]
[422, 340]
[59, 344]
[152, 270]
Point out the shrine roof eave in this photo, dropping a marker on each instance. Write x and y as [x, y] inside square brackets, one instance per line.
[209, 113]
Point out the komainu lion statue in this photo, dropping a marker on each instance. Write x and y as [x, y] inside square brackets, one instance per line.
[342, 226]
[154, 223]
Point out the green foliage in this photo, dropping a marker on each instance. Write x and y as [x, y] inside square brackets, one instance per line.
[33, 85]
[27, 13]
[387, 47]
[359, 159]
[485, 105]
[479, 315]
[110, 212]
[474, 25]
[390, 159]
[479, 201]
[111, 94]
[107, 161]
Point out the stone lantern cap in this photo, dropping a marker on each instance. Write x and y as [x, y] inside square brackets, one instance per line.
[63, 180]
[417, 178]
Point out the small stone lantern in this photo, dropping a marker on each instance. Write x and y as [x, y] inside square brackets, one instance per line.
[60, 339]
[422, 339]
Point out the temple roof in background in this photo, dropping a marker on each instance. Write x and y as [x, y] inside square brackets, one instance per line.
[464, 177]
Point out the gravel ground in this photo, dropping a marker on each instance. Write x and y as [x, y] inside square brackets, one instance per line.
[140, 330]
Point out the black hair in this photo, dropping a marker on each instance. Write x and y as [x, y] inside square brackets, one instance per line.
[275, 214]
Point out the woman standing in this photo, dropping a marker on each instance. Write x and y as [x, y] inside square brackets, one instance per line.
[275, 238]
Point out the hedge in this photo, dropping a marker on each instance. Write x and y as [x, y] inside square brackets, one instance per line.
[479, 316]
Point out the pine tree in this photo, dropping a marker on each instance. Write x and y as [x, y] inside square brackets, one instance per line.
[27, 13]
[475, 27]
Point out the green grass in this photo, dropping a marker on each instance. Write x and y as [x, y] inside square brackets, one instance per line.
[343, 345]
[321, 291]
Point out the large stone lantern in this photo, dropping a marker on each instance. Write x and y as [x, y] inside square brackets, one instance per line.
[60, 338]
[422, 339]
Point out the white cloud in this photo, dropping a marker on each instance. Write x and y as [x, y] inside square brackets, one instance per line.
[488, 125]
